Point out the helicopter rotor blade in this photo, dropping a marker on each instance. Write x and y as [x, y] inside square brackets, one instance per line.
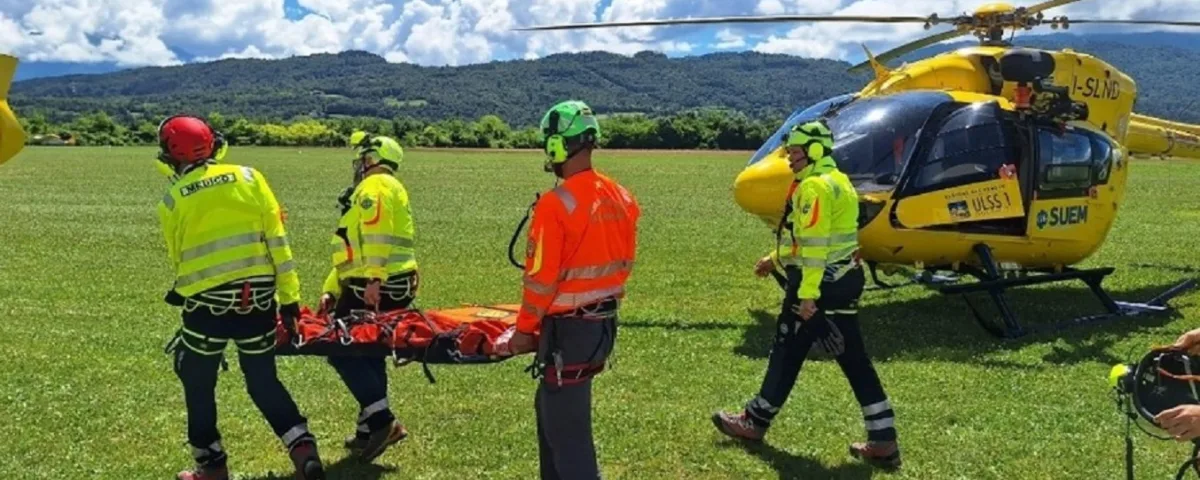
[1048, 5]
[733, 19]
[909, 47]
[1136, 22]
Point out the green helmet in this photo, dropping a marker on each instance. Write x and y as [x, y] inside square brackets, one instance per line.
[814, 136]
[359, 138]
[377, 149]
[571, 121]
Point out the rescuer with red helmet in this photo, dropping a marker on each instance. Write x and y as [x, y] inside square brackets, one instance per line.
[233, 269]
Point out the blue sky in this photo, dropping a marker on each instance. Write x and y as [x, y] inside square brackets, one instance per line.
[131, 33]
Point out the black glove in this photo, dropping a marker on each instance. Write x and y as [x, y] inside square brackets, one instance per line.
[173, 298]
[289, 314]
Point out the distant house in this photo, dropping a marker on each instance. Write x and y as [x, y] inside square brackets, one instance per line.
[52, 140]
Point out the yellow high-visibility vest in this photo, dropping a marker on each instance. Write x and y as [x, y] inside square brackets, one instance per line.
[825, 226]
[222, 223]
[375, 237]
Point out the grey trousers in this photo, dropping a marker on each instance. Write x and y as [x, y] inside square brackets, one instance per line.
[564, 412]
[564, 425]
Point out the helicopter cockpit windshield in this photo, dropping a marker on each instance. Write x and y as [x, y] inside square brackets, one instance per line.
[872, 136]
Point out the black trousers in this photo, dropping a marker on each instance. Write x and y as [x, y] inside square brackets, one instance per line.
[366, 377]
[197, 358]
[566, 450]
[835, 327]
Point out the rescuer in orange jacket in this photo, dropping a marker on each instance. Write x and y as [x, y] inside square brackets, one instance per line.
[582, 241]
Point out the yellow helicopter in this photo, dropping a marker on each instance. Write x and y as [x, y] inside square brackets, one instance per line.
[12, 136]
[1003, 163]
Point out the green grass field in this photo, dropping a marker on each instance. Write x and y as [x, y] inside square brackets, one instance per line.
[88, 393]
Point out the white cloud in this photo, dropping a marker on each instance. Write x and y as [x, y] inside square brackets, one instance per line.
[457, 32]
[727, 40]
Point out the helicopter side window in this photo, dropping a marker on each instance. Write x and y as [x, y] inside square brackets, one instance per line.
[1067, 160]
[971, 145]
[1102, 159]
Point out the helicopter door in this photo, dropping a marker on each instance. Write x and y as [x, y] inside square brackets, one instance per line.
[966, 174]
[1073, 165]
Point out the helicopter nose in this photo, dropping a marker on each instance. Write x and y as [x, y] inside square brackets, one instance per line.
[761, 189]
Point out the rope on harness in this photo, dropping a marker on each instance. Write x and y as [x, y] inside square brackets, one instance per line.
[1193, 462]
[783, 221]
[517, 233]
[1129, 446]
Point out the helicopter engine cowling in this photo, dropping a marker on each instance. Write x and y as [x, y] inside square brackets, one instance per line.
[1026, 65]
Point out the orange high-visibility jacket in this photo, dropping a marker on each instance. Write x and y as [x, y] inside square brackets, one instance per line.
[582, 243]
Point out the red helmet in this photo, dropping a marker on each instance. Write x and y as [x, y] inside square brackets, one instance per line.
[186, 139]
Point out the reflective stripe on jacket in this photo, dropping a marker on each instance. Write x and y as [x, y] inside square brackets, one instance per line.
[222, 223]
[375, 237]
[824, 223]
[582, 244]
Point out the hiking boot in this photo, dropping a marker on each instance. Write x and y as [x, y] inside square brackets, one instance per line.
[307, 461]
[738, 426]
[885, 455]
[355, 442]
[378, 441]
[204, 473]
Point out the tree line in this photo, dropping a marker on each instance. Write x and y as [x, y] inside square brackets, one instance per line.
[708, 129]
[359, 84]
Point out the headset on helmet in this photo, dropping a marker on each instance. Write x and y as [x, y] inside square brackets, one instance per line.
[581, 129]
[815, 137]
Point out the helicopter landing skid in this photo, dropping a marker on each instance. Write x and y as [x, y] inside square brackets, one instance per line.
[992, 282]
[927, 278]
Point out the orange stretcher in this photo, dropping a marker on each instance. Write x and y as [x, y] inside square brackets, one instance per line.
[462, 335]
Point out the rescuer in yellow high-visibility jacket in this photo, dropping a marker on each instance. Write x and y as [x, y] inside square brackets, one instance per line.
[233, 268]
[374, 267]
[824, 282]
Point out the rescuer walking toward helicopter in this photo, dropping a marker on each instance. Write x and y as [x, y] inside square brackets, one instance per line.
[824, 282]
[582, 242]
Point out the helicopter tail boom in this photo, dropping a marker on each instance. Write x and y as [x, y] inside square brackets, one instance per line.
[1158, 137]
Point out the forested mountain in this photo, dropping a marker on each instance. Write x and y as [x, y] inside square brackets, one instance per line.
[360, 84]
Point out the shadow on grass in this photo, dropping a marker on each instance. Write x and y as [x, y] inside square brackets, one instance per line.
[349, 467]
[791, 466]
[941, 328]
